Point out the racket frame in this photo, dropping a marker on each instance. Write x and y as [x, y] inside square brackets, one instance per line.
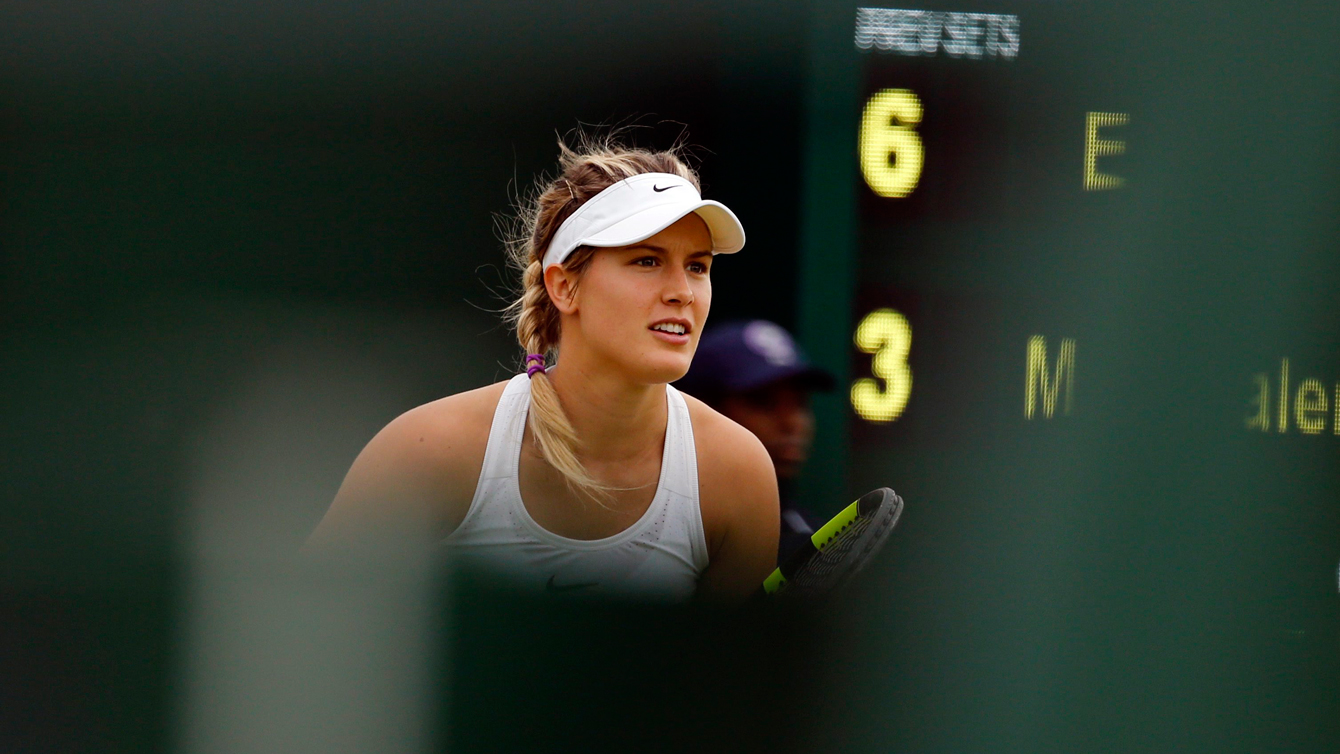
[866, 505]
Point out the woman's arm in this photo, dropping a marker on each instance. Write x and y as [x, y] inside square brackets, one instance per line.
[412, 484]
[737, 489]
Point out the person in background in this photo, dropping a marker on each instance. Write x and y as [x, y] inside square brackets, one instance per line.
[754, 373]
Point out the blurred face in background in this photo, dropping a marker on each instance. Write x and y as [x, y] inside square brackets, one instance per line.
[780, 416]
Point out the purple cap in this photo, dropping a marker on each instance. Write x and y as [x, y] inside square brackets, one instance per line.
[736, 357]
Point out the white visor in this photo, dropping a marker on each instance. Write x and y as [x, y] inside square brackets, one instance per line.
[638, 208]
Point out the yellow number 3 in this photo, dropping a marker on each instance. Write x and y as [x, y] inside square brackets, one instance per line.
[886, 334]
[890, 149]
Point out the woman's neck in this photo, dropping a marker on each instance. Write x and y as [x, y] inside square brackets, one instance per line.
[616, 419]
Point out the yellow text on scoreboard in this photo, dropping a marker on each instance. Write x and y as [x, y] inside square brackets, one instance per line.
[887, 335]
[1282, 406]
[1095, 146]
[1048, 387]
[890, 149]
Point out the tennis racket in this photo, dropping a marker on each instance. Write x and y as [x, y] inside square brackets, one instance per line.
[841, 548]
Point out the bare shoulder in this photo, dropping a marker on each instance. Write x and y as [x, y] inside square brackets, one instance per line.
[447, 432]
[737, 488]
[726, 450]
[416, 477]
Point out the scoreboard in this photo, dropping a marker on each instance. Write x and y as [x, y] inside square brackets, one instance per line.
[1076, 264]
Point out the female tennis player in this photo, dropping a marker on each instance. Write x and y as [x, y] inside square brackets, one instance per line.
[592, 475]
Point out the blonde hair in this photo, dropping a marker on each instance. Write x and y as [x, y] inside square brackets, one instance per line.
[595, 165]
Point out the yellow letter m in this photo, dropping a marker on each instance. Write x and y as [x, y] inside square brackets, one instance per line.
[1044, 380]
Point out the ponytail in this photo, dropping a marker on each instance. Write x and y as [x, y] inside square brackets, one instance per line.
[596, 165]
[537, 330]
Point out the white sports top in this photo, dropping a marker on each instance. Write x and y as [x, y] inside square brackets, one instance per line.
[659, 557]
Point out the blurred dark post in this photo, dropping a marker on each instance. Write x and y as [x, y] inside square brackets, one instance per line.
[827, 244]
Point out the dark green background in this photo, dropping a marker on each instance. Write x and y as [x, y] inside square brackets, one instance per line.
[224, 227]
[1146, 573]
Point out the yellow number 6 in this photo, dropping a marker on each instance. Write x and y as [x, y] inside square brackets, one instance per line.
[886, 334]
[890, 150]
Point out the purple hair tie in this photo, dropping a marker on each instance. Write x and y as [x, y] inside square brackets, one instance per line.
[538, 366]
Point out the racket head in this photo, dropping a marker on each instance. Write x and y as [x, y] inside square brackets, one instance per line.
[841, 548]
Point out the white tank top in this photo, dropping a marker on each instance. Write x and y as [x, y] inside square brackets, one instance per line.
[659, 557]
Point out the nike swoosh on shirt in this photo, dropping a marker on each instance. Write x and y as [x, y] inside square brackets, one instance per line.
[551, 586]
